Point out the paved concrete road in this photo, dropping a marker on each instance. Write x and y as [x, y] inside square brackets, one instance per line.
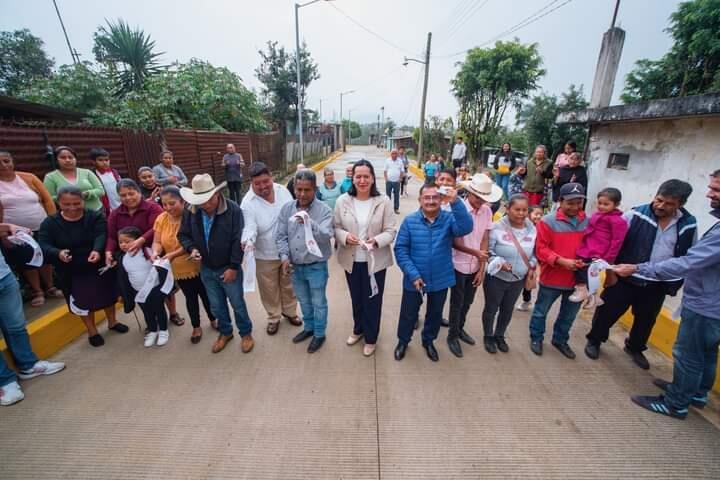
[124, 411]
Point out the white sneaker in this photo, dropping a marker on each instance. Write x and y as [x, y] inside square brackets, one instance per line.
[353, 339]
[368, 349]
[151, 338]
[41, 367]
[524, 307]
[580, 294]
[163, 337]
[11, 393]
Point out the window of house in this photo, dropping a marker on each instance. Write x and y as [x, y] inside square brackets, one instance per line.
[618, 161]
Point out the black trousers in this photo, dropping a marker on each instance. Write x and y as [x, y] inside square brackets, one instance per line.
[154, 311]
[526, 295]
[409, 309]
[646, 303]
[234, 191]
[581, 274]
[366, 310]
[499, 295]
[193, 289]
[461, 298]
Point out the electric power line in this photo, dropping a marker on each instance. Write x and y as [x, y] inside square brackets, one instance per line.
[465, 18]
[522, 24]
[457, 14]
[378, 36]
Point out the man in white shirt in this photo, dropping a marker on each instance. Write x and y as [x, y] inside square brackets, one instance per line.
[261, 208]
[458, 154]
[394, 173]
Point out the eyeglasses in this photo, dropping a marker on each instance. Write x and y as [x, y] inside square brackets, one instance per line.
[430, 198]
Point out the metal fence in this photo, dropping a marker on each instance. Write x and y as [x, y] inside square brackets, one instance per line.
[195, 151]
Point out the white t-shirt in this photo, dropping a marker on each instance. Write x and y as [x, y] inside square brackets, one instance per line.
[394, 169]
[110, 186]
[138, 268]
[362, 213]
[261, 218]
[21, 205]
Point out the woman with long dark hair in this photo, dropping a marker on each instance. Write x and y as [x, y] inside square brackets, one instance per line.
[365, 227]
[68, 174]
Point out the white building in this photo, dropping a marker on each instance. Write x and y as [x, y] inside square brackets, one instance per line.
[637, 147]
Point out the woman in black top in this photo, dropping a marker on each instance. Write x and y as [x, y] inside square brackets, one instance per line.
[573, 172]
[73, 240]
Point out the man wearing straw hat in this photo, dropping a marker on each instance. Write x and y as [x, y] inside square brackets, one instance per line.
[212, 234]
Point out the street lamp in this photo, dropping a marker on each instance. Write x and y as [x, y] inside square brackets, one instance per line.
[298, 6]
[342, 139]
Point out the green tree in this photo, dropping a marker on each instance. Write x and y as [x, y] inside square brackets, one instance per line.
[127, 53]
[537, 118]
[75, 87]
[278, 74]
[691, 67]
[354, 131]
[22, 58]
[192, 95]
[488, 82]
[436, 128]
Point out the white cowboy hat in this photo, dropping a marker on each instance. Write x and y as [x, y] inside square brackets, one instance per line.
[483, 186]
[203, 188]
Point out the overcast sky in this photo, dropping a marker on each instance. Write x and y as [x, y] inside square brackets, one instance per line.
[229, 33]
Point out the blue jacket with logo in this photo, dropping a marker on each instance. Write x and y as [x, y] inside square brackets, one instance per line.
[424, 249]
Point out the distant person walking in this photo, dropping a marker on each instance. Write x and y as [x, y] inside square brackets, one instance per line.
[233, 164]
[406, 164]
[458, 153]
[504, 164]
[394, 173]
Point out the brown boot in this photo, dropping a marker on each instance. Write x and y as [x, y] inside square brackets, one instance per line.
[247, 343]
[220, 343]
[272, 328]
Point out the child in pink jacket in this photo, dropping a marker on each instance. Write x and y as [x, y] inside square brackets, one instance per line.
[602, 241]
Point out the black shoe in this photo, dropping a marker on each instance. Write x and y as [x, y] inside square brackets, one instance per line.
[302, 336]
[536, 347]
[490, 345]
[454, 346]
[96, 340]
[564, 348]
[119, 328]
[315, 344]
[444, 322]
[397, 212]
[638, 358]
[502, 344]
[431, 352]
[465, 337]
[697, 402]
[658, 405]
[592, 351]
[400, 351]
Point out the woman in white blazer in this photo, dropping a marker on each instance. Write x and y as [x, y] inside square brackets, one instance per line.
[365, 227]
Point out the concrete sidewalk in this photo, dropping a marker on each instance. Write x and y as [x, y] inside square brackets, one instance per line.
[123, 411]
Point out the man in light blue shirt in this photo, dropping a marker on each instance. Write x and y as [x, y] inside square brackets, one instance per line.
[695, 352]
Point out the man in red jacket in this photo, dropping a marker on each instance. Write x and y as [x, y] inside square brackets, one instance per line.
[559, 234]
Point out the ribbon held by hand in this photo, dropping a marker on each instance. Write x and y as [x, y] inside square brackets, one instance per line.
[371, 267]
[310, 242]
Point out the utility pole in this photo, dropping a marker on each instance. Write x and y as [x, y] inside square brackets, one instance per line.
[320, 113]
[349, 127]
[382, 113]
[424, 98]
[73, 53]
[342, 130]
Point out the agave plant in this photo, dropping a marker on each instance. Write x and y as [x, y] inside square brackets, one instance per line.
[127, 53]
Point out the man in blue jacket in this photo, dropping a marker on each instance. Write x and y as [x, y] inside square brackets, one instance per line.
[423, 251]
[695, 353]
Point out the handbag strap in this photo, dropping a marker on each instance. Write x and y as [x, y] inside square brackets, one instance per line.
[520, 250]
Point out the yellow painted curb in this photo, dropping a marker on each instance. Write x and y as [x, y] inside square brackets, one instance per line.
[416, 171]
[322, 164]
[53, 331]
[663, 335]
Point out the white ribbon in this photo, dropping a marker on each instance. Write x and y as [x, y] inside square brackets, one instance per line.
[77, 310]
[495, 266]
[371, 267]
[594, 270]
[21, 237]
[249, 269]
[153, 279]
[310, 242]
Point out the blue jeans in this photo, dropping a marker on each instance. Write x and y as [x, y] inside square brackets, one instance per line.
[392, 189]
[695, 356]
[219, 293]
[566, 316]
[503, 181]
[12, 324]
[309, 283]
